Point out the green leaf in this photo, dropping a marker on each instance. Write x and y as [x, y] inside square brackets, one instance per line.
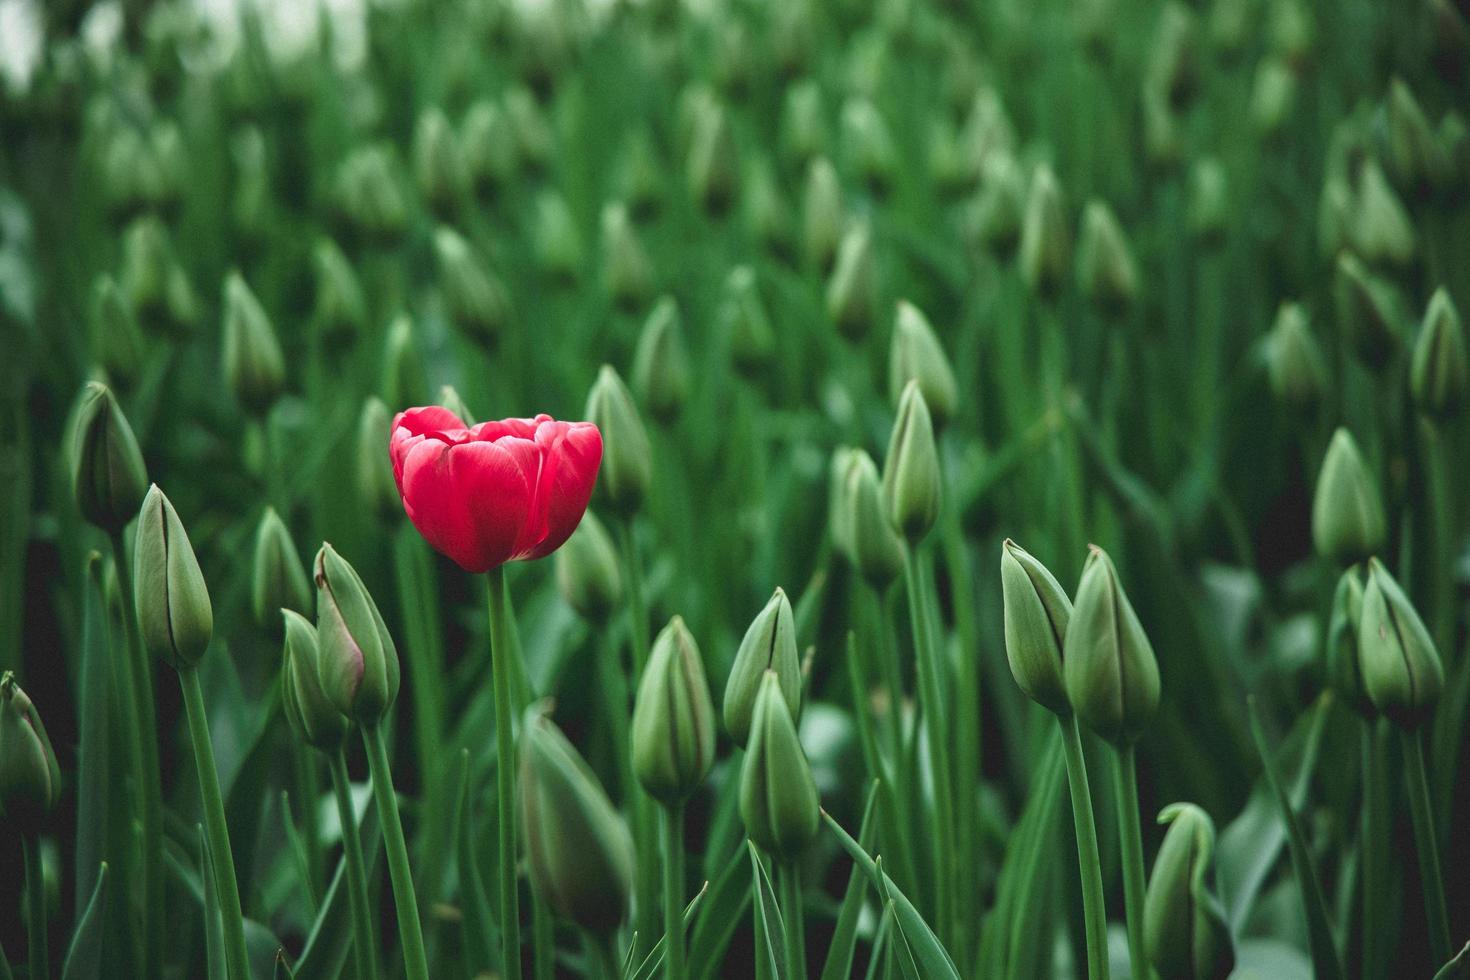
[652, 964]
[329, 942]
[84, 957]
[282, 969]
[1458, 968]
[719, 916]
[844, 936]
[93, 771]
[770, 931]
[1324, 949]
[297, 847]
[214, 936]
[480, 942]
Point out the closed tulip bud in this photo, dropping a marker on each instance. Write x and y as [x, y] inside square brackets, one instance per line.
[1294, 362]
[1454, 146]
[439, 164]
[1348, 522]
[1365, 310]
[1111, 675]
[370, 195]
[279, 580]
[627, 459]
[821, 214]
[1336, 211]
[116, 340]
[1037, 611]
[767, 212]
[769, 646]
[107, 472]
[341, 308]
[994, 219]
[252, 200]
[746, 324]
[673, 733]
[852, 289]
[1163, 138]
[1106, 271]
[839, 514]
[713, 166]
[640, 176]
[404, 380]
[1344, 664]
[254, 367]
[358, 663]
[988, 134]
[373, 471]
[1046, 244]
[1291, 31]
[579, 854]
[1209, 206]
[1440, 375]
[949, 167]
[474, 298]
[1184, 928]
[1402, 672]
[147, 263]
[488, 145]
[1412, 150]
[1273, 97]
[449, 398]
[534, 140]
[1173, 58]
[661, 362]
[30, 779]
[175, 618]
[558, 242]
[911, 477]
[313, 718]
[916, 355]
[1382, 231]
[587, 571]
[804, 130]
[867, 145]
[627, 273]
[873, 546]
[778, 797]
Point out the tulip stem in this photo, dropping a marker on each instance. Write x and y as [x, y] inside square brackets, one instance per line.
[1094, 911]
[789, 877]
[143, 747]
[40, 959]
[405, 901]
[217, 831]
[637, 615]
[1131, 830]
[1375, 879]
[363, 952]
[674, 892]
[1417, 786]
[543, 939]
[505, 787]
[645, 817]
[614, 684]
[602, 961]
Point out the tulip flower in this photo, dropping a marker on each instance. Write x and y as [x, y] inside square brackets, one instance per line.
[495, 492]
[108, 475]
[1185, 925]
[769, 647]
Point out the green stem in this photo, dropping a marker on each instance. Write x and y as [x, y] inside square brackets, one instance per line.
[1094, 912]
[1417, 786]
[614, 683]
[888, 654]
[143, 745]
[637, 614]
[405, 901]
[789, 877]
[931, 691]
[543, 939]
[1131, 830]
[602, 962]
[364, 953]
[216, 830]
[505, 786]
[645, 815]
[1375, 920]
[674, 967]
[40, 960]
[308, 789]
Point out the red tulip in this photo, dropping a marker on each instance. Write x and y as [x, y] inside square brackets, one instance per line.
[494, 492]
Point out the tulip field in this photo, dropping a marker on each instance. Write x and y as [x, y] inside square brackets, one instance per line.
[791, 489]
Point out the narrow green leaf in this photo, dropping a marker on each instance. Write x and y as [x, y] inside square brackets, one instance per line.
[84, 957]
[283, 969]
[93, 771]
[719, 917]
[297, 846]
[844, 936]
[653, 963]
[329, 942]
[480, 934]
[214, 934]
[1457, 968]
[770, 930]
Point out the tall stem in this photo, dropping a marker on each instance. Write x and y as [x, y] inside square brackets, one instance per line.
[645, 814]
[543, 939]
[364, 953]
[1130, 828]
[637, 614]
[789, 876]
[505, 785]
[410, 932]
[1374, 879]
[215, 829]
[304, 775]
[614, 683]
[674, 967]
[602, 960]
[40, 959]
[1417, 785]
[145, 755]
[1094, 912]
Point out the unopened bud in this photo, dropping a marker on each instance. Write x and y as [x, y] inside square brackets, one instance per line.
[1413, 152]
[313, 718]
[358, 663]
[778, 797]
[1344, 663]
[1294, 362]
[746, 324]
[1209, 200]
[713, 172]
[370, 195]
[341, 308]
[872, 545]
[769, 646]
[449, 398]
[116, 340]
[821, 214]
[1037, 611]
[175, 618]
[439, 164]
[107, 471]
[404, 380]
[804, 130]
[1366, 311]
[474, 298]
[1440, 375]
[1046, 244]
[661, 362]
[852, 289]
[488, 144]
[627, 273]
[279, 579]
[916, 355]
[373, 471]
[1173, 58]
[30, 779]
[533, 136]
[587, 571]
[1381, 231]
[1185, 930]
[767, 212]
[911, 477]
[627, 458]
[254, 367]
[1106, 271]
[640, 176]
[1111, 675]
[557, 240]
[1348, 521]
[1402, 672]
[994, 219]
[1273, 96]
[866, 144]
[673, 733]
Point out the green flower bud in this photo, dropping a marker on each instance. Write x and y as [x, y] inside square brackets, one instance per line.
[839, 500]
[252, 201]
[358, 663]
[30, 779]
[1335, 215]
[1412, 149]
[822, 214]
[474, 298]
[1105, 267]
[1348, 522]
[487, 143]
[769, 646]
[1209, 207]
[439, 164]
[1454, 146]
[175, 618]
[746, 324]
[1232, 23]
[1291, 31]
[254, 367]
[1163, 138]
[1037, 611]
[1401, 667]
[279, 580]
[1294, 362]
[673, 734]
[1111, 675]
[627, 459]
[1344, 664]
[951, 169]
[911, 477]
[449, 398]
[916, 355]
[107, 472]
[767, 212]
[1046, 244]
[117, 341]
[1273, 97]
[404, 380]
[1184, 925]
[713, 166]
[373, 472]
[804, 131]
[640, 175]
[147, 268]
[1382, 231]
[627, 273]
[313, 718]
[1173, 59]
[866, 144]
[993, 221]
[778, 798]
[341, 308]
[579, 853]
[661, 362]
[874, 547]
[558, 242]
[852, 289]
[1365, 310]
[988, 137]
[369, 194]
[587, 571]
[534, 140]
[1440, 375]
